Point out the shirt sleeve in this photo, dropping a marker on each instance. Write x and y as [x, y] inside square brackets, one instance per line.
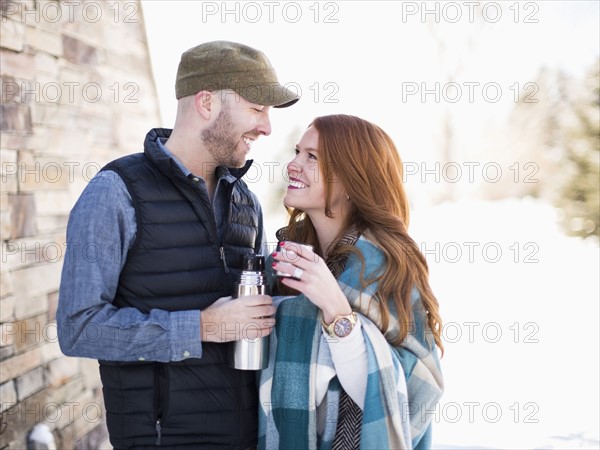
[100, 232]
[349, 355]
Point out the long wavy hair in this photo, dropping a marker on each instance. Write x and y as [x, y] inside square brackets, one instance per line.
[365, 160]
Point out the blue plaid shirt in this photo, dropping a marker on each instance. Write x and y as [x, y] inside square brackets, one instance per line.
[101, 230]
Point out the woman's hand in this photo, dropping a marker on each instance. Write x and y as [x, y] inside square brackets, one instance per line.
[311, 277]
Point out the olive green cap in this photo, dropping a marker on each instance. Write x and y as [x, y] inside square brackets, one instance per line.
[219, 65]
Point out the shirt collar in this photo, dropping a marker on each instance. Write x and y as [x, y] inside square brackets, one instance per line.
[167, 152]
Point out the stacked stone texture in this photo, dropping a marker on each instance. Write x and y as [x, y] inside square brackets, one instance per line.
[77, 91]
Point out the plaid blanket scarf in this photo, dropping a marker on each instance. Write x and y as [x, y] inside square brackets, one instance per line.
[403, 386]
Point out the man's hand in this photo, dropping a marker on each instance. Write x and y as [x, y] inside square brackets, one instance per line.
[247, 317]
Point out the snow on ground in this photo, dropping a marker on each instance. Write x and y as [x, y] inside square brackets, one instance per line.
[520, 303]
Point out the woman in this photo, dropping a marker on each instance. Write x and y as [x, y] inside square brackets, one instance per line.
[353, 360]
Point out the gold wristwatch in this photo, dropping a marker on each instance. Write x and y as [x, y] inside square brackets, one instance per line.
[341, 326]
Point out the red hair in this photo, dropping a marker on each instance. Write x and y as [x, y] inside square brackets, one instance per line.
[365, 160]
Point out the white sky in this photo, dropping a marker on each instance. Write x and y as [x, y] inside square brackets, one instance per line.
[375, 47]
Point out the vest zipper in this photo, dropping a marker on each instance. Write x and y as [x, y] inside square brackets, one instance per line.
[160, 393]
[158, 431]
[222, 250]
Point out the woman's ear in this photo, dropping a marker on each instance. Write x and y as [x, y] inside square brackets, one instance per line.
[204, 103]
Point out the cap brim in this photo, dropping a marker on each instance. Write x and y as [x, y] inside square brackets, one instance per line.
[274, 95]
[285, 105]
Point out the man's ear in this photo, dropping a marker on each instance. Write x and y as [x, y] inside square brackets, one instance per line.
[204, 103]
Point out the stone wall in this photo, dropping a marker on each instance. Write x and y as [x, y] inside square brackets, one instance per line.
[77, 91]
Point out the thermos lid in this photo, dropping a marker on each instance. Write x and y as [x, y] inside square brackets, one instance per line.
[253, 263]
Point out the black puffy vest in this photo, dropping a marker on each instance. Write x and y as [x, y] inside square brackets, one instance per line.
[175, 264]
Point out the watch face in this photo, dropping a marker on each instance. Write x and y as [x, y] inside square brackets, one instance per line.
[342, 327]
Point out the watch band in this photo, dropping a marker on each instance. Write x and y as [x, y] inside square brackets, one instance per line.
[341, 326]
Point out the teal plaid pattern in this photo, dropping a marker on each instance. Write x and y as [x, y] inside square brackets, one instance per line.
[403, 382]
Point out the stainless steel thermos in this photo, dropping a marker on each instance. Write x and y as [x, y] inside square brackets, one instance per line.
[251, 354]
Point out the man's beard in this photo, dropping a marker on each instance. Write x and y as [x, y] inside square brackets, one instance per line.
[222, 141]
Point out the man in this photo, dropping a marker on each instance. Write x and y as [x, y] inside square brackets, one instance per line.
[154, 240]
